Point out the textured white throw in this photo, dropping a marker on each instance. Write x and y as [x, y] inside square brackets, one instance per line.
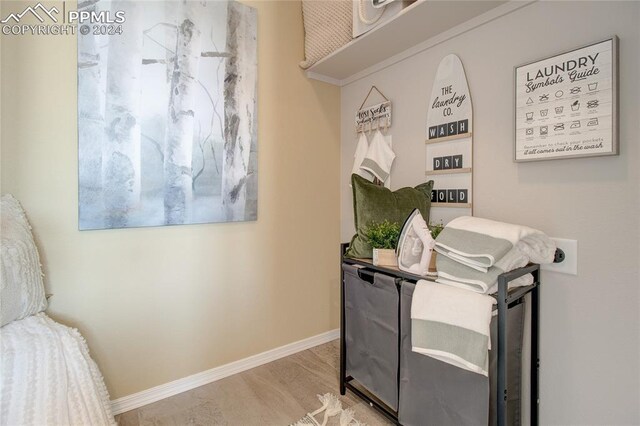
[48, 378]
[21, 287]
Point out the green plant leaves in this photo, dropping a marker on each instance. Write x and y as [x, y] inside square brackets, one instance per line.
[383, 235]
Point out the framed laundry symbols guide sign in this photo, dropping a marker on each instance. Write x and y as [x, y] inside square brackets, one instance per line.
[449, 142]
[566, 105]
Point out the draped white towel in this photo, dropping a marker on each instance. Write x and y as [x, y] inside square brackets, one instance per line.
[379, 157]
[361, 152]
[452, 325]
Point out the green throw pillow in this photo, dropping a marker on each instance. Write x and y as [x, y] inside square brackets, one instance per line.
[374, 203]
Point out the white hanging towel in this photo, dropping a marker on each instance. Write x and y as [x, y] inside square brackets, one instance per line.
[452, 325]
[361, 153]
[379, 157]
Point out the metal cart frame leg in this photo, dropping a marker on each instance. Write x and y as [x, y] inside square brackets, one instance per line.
[501, 396]
[535, 350]
[343, 343]
[503, 306]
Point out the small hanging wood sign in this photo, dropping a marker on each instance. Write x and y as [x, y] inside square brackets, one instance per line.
[375, 116]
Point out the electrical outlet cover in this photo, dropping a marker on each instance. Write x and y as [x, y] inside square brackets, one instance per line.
[570, 264]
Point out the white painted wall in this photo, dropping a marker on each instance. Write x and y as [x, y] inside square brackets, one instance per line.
[590, 342]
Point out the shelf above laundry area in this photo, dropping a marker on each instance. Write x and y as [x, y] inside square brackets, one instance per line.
[419, 26]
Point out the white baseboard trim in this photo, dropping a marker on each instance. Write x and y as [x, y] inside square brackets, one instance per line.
[136, 400]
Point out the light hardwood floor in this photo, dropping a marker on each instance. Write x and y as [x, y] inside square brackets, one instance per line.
[278, 393]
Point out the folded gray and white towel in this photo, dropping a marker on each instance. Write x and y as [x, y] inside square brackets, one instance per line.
[456, 274]
[475, 251]
[480, 243]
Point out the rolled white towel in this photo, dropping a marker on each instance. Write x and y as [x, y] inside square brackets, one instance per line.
[538, 247]
[506, 231]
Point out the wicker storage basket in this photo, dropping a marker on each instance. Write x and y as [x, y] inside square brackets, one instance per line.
[327, 27]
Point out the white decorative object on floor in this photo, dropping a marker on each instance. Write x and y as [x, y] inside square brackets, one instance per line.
[331, 406]
[449, 143]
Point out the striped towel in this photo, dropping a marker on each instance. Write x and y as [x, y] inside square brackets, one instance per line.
[480, 243]
[452, 325]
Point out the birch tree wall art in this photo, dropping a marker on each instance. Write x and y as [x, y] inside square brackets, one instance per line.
[167, 124]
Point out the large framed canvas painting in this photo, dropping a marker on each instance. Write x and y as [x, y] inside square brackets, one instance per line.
[167, 125]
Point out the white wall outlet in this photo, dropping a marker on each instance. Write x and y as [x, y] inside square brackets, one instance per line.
[570, 264]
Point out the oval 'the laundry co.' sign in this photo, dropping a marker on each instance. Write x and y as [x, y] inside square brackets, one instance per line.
[449, 142]
[450, 112]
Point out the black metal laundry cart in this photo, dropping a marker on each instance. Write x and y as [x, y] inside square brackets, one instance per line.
[377, 364]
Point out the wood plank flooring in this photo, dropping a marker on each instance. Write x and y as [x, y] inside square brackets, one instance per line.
[278, 393]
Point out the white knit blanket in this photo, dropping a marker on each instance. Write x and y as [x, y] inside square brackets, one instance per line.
[48, 378]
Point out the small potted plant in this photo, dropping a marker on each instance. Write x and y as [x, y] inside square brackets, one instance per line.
[436, 229]
[383, 237]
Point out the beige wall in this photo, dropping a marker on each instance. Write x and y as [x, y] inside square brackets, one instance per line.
[158, 304]
[590, 372]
